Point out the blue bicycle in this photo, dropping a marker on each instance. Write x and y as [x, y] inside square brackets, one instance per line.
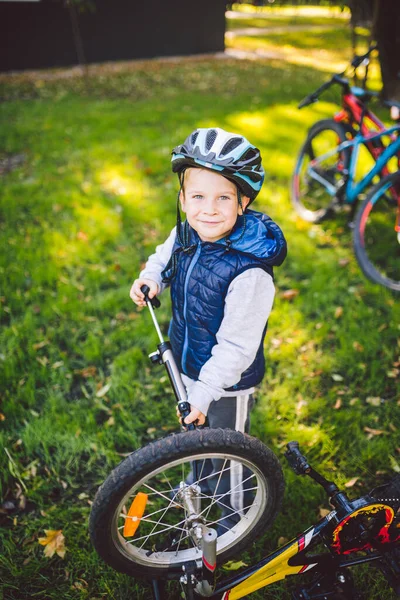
[324, 178]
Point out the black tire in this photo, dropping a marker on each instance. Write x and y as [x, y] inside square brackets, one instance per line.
[310, 198]
[156, 465]
[376, 243]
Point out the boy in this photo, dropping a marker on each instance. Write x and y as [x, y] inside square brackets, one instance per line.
[219, 266]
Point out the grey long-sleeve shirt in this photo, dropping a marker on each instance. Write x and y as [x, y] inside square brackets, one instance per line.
[248, 304]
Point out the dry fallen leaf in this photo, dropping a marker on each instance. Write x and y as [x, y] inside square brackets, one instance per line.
[373, 400]
[234, 565]
[393, 373]
[338, 312]
[351, 482]
[290, 294]
[374, 432]
[87, 371]
[57, 364]
[358, 347]
[336, 377]
[282, 541]
[103, 391]
[54, 543]
[40, 344]
[338, 404]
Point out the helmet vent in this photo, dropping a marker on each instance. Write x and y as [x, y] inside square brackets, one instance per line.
[194, 137]
[231, 145]
[251, 153]
[210, 139]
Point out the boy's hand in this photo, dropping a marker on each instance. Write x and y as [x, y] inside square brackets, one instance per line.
[137, 295]
[195, 415]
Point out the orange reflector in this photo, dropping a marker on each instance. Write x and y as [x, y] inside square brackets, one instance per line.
[135, 513]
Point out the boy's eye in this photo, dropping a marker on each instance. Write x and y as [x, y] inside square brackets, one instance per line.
[197, 196]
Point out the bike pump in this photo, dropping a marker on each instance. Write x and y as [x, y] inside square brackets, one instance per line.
[163, 356]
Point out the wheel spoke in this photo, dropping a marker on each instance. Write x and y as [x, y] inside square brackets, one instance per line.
[161, 494]
[218, 501]
[216, 487]
[147, 536]
[156, 525]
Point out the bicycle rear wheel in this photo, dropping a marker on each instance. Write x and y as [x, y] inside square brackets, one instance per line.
[310, 197]
[142, 518]
[376, 242]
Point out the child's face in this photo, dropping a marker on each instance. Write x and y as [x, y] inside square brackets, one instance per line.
[211, 204]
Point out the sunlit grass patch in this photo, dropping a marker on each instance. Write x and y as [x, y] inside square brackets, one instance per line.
[299, 10]
[282, 21]
[322, 50]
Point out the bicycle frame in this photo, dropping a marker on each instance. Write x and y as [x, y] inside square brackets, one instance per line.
[353, 191]
[292, 558]
[357, 114]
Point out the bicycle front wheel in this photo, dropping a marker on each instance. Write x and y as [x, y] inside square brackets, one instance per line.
[319, 171]
[376, 241]
[144, 517]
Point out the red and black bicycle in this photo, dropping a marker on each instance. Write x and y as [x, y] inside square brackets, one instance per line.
[325, 181]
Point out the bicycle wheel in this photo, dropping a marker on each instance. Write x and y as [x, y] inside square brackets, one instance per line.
[376, 242]
[310, 197]
[143, 518]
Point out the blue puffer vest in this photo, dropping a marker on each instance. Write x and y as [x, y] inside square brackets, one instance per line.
[199, 287]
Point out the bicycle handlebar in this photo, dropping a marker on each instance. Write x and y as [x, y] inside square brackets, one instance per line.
[311, 98]
[337, 78]
[358, 60]
[296, 460]
[300, 466]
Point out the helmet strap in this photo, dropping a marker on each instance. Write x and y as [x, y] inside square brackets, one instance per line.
[239, 197]
[243, 214]
[182, 233]
[228, 241]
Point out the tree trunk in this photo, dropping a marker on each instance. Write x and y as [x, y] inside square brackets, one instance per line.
[387, 35]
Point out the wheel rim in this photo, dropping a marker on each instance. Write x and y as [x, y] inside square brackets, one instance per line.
[310, 193]
[380, 242]
[162, 538]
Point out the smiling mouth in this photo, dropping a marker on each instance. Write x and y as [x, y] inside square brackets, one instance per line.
[211, 222]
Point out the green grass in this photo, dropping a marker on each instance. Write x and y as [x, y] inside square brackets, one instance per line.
[91, 199]
[284, 21]
[282, 12]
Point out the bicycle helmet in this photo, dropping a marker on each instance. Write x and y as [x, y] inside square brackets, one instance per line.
[229, 154]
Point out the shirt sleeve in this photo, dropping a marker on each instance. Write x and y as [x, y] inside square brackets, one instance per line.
[157, 262]
[248, 304]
